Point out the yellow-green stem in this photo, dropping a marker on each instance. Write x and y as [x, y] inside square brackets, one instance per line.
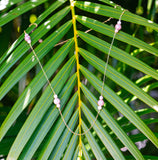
[78, 74]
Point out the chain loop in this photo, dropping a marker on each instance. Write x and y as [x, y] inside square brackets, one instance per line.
[56, 99]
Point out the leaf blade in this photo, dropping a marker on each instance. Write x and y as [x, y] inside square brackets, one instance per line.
[54, 137]
[34, 87]
[54, 6]
[19, 10]
[58, 151]
[118, 103]
[27, 63]
[114, 13]
[104, 136]
[48, 121]
[93, 144]
[118, 78]
[108, 30]
[118, 54]
[110, 121]
[40, 109]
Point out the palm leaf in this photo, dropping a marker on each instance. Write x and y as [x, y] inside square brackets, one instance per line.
[34, 87]
[42, 134]
[114, 13]
[57, 131]
[91, 141]
[114, 126]
[120, 105]
[40, 110]
[39, 20]
[5, 18]
[108, 30]
[103, 135]
[118, 54]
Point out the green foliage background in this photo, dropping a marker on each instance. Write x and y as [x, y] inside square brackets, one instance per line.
[31, 127]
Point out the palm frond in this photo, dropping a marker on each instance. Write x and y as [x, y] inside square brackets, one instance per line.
[74, 62]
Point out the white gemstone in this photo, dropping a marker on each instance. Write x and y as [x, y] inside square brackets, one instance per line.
[99, 108]
[58, 105]
[118, 22]
[56, 101]
[101, 97]
[118, 26]
[29, 41]
[100, 102]
[116, 30]
[55, 96]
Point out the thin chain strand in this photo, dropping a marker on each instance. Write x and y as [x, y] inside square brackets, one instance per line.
[78, 134]
[63, 42]
[42, 68]
[102, 85]
[54, 93]
[106, 65]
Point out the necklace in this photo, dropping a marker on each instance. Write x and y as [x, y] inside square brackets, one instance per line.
[56, 99]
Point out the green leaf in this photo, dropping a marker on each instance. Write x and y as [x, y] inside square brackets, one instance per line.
[130, 127]
[71, 147]
[5, 145]
[93, 144]
[57, 130]
[119, 104]
[39, 131]
[47, 122]
[27, 63]
[7, 4]
[39, 110]
[76, 153]
[115, 13]
[145, 156]
[85, 153]
[109, 2]
[146, 89]
[119, 78]
[139, 137]
[103, 135]
[108, 30]
[5, 18]
[57, 16]
[35, 36]
[51, 8]
[64, 139]
[110, 121]
[118, 54]
[35, 86]
[141, 112]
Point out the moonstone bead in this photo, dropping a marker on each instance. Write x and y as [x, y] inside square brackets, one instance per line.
[100, 103]
[56, 101]
[27, 38]
[118, 26]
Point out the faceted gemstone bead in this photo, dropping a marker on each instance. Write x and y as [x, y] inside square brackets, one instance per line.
[118, 26]
[27, 38]
[56, 101]
[100, 103]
